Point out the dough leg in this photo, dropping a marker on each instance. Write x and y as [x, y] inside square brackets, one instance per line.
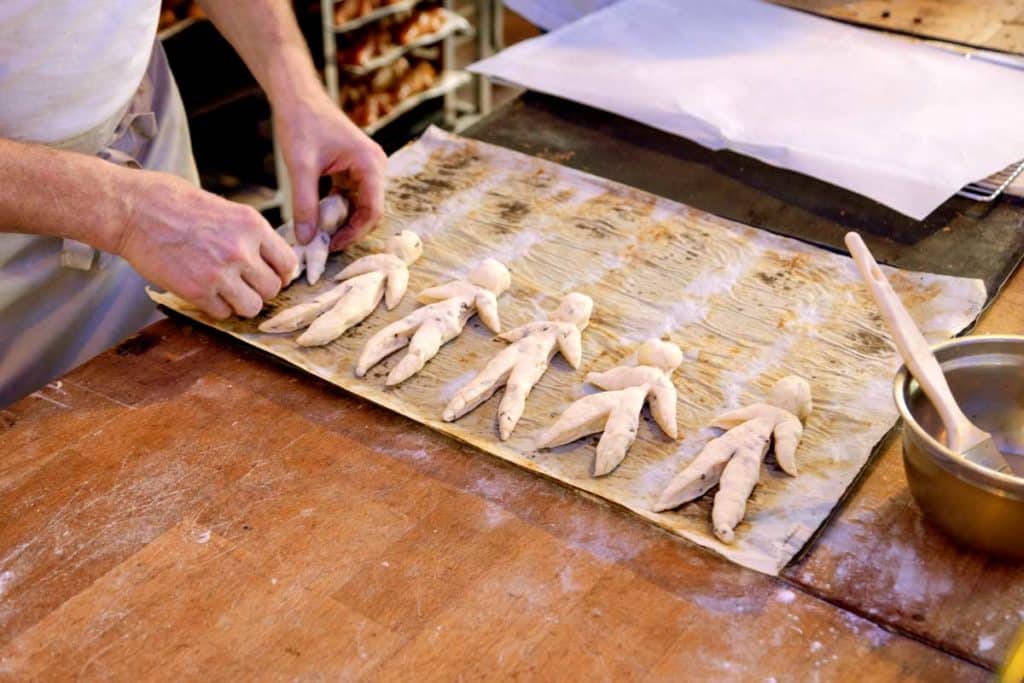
[388, 340]
[293, 318]
[352, 308]
[620, 430]
[297, 317]
[424, 345]
[520, 383]
[738, 480]
[483, 386]
[699, 476]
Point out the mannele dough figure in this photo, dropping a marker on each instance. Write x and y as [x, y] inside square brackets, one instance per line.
[365, 282]
[733, 460]
[448, 308]
[616, 411]
[520, 366]
[313, 256]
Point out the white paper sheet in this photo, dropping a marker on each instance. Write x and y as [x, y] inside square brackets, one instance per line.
[905, 124]
[551, 15]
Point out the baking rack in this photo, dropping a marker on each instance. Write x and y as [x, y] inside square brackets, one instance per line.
[447, 82]
[988, 189]
[379, 13]
[485, 31]
[453, 23]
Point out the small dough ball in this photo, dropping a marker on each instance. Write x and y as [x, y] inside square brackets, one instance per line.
[407, 246]
[576, 309]
[333, 212]
[492, 275]
[792, 394]
[660, 354]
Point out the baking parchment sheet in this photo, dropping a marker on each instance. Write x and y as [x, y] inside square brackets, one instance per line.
[905, 124]
[747, 308]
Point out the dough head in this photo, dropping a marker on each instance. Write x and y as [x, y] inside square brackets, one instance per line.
[792, 394]
[492, 275]
[660, 354]
[407, 246]
[576, 309]
[333, 212]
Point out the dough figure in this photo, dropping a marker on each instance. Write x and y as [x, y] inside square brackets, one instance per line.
[313, 256]
[521, 365]
[733, 460]
[366, 281]
[426, 329]
[616, 411]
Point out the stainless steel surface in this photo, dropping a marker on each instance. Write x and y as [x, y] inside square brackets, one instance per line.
[987, 454]
[988, 189]
[977, 506]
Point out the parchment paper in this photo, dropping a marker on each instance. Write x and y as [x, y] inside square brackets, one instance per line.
[902, 123]
[551, 15]
[746, 306]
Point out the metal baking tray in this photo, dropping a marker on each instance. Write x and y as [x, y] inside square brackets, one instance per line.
[988, 189]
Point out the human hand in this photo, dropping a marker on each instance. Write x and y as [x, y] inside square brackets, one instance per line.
[317, 139]
[219, 255]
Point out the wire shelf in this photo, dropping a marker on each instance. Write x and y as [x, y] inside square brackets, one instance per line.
[446, 83]
[379, 13]
[988, 189]
[453, 24]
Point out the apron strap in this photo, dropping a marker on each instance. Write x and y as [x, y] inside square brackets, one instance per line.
[133, 133]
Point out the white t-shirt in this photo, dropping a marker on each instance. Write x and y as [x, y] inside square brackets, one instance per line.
[67, 66]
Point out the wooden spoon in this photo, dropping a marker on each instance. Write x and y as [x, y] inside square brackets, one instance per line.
[962, 435]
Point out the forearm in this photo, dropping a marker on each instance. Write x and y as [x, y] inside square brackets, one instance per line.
[314, 136]
[266, 35]
[63, 194]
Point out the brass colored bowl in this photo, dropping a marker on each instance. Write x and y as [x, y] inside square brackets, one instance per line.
[978, 507]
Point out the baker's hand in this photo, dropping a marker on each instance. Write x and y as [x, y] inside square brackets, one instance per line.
[219, 255]
[317, 139]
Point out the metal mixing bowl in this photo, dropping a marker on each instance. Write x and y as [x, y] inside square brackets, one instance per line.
[977, 506]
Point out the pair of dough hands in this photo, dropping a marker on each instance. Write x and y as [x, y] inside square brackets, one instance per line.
[312, 257]
[447, 309]
[733, 460]
[616, 410]
[365, 282]
[521, 365]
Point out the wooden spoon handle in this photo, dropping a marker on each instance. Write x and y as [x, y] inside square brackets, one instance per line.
[911, 345]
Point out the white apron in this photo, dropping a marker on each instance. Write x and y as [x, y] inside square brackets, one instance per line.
[61, 303]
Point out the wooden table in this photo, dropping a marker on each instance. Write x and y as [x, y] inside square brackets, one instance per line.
[989, 24]
[180, 507]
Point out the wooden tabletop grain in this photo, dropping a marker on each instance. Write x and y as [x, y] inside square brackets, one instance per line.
[988, 24]
[181, 507]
